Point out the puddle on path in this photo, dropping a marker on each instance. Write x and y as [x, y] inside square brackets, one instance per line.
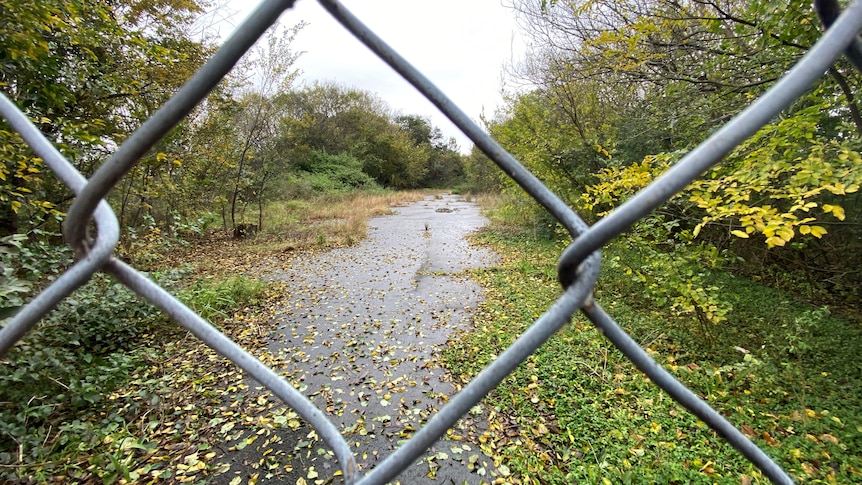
[362, 328]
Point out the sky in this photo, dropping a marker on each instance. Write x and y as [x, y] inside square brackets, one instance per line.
[460, 45]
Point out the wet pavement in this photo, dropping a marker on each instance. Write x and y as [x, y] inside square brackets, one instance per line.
[362, 328]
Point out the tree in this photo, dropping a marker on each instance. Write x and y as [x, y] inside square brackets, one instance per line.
[87, 73]
[444, 163]
[482, 174]
[256, 123]
[644, 81]
[336, 120]
[692, 63]
[537, 132]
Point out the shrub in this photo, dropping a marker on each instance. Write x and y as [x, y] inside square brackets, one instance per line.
[335, 173]
[54, 383]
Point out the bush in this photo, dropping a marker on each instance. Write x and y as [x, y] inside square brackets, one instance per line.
[213, 299]
[26, 260]
[54, 385]
[334, 173]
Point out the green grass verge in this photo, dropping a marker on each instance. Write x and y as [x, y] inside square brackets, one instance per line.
[578, 411]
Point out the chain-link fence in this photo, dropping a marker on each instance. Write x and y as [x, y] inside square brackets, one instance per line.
[578, 266]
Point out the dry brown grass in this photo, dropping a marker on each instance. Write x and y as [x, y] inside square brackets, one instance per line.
[332, 220]
[291, 227]
[359, 205]
[488, 201]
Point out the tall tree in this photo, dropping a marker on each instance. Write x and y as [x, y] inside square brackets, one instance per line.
[274, 73]
[693, 64]
[329, 118]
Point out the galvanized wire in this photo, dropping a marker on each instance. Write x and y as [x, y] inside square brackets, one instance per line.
[578, 266]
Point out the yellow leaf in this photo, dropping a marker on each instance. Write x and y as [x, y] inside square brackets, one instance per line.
[838, 212]
[774, 241]
[15, 206]
[739, 233]
[804, 229]
[161, 156]
[785, 233]
[818, 231]
[829, 437]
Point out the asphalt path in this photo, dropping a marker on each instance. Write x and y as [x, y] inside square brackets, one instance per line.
[362, 328]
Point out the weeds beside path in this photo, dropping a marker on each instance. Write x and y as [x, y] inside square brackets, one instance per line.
[577, 411]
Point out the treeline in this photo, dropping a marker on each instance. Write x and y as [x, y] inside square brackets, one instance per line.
[89, 73]
[622, 89]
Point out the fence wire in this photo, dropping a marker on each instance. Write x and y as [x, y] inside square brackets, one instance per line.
[578, 266]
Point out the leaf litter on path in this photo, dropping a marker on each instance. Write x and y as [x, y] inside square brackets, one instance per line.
[359, 333]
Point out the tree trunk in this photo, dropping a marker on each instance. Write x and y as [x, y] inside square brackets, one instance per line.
[848, 95]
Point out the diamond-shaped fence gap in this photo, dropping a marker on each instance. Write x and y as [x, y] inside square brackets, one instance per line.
[578, 265]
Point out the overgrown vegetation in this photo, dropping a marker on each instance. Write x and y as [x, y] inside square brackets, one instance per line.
[577, 411]
[745, 285]
[622, 90]
[100, 389]
[62, 413]
[258, 139]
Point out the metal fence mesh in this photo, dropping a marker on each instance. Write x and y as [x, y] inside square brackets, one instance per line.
[578, 265]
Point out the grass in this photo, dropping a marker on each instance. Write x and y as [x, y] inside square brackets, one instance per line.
[291, 227]
[329, 220]
[578, 411]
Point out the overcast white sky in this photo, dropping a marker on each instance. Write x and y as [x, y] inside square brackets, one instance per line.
[460, 45]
